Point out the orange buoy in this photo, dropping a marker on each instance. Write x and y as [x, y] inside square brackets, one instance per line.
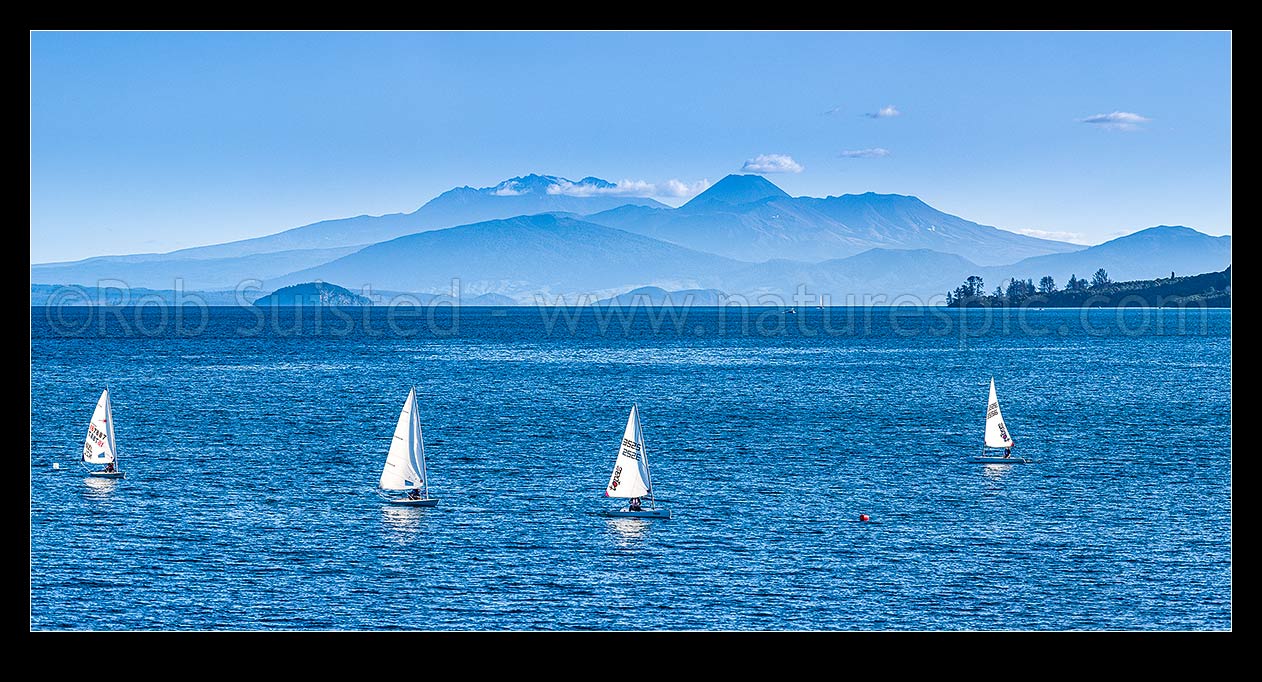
[863, 517]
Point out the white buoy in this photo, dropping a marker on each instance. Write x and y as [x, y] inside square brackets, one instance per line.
[56, 465]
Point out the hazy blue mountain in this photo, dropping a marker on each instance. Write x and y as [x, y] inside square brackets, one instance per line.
[746, 217]
[767, 242]
[922, 273]
[524, 195]
[1147, 254]
[735, 190]
[657, 296]
[312, 294]
[488, 300]
[558, 254]
[163, 273]
[882, 274]
[76, 295]
[519, 257]
[404, 298]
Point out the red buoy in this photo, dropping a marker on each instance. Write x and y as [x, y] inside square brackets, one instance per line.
[863, 517]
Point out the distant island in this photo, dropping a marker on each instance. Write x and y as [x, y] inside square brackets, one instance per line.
[312, 294]
[1209, 290]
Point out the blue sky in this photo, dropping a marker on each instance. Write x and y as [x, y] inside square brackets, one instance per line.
[144, 142]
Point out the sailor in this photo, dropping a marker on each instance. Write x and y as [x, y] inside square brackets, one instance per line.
[635, 504]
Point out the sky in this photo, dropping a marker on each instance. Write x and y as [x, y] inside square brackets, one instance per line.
[147, 142]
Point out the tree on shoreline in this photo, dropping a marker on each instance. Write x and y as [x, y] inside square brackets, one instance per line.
[1212, 289]
[1100, 279]
[1019, 290]
[972, 288]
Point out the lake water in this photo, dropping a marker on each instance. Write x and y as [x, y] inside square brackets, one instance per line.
[253, 442]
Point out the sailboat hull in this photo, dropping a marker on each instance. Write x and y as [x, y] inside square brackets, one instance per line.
[405, 502]
[1002, 460]
[642, 514]
[106, 474]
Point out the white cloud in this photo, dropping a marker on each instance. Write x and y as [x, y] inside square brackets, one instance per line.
[507, 189]
[635, 188]
[887, 111]
[873, 153]
[1118, 120]
[676, 188]
[772, 163]
[1071, 237]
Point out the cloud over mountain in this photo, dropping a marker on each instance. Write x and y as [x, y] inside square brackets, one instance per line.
[772, 163]
[632, 188]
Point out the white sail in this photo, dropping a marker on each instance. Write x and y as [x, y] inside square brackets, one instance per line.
[997, 435]
[405, 463]
[98, 447]
[631, 469]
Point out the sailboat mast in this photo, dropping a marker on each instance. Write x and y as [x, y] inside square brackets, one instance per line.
[644, 454]
[420, 437]
[109, 426]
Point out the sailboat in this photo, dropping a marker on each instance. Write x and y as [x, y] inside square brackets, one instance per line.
[405, 463]
[631, 477]
[99, 446]
[997, 437]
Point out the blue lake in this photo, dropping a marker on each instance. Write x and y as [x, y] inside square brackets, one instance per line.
[253, 442]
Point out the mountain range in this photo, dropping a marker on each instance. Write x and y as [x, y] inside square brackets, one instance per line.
[746, 217]
[545, 236]
[547, 254]
[1149, 253]
[319, 242]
